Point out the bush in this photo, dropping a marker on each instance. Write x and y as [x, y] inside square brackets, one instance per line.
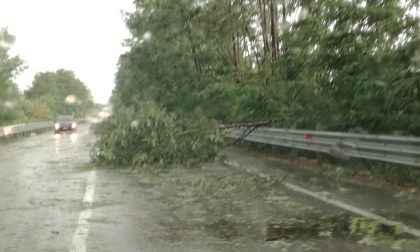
[150, 137]
[37, 110]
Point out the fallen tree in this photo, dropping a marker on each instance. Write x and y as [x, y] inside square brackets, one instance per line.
[150, 138]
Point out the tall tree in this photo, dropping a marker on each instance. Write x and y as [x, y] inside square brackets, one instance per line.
[62, 91]
[318, 64]
[10, 98]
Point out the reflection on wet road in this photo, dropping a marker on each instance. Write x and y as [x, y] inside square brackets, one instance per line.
[51, 201]
[41, 189]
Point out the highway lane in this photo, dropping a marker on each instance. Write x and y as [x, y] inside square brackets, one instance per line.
[48, 198]
[52, 201]
[41, 186]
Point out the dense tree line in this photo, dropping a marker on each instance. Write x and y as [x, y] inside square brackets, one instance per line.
[331, 65]
[51, 93]
[61, 92]
[326, 64]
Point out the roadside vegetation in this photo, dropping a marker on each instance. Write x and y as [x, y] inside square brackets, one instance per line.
[10, 66]
[327, 65]
[153, 138]
[224, 208]
[338, 65]
[51, 93]
[55, 93]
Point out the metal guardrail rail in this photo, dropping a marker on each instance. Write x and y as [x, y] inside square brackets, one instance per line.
[391, 149]
[12, 130]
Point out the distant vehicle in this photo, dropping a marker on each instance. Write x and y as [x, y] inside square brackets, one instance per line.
[65, 123]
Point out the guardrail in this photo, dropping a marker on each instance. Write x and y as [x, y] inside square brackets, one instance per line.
[391, 149]
[13, 130]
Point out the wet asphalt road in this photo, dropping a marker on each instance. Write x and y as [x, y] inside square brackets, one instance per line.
[50, 201]
[389, 203]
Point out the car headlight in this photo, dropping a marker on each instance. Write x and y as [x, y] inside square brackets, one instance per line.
[57, 126]
[73, 125]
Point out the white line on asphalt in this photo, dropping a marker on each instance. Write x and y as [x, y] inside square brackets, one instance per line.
[353, 209]
[319, 196]
[82, 231]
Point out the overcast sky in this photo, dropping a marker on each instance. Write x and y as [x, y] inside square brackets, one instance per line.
[80, 35]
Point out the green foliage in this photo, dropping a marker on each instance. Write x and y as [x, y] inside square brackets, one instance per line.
[10, 99]
[372, 231]
[406, 245]
[51, 93]
[37, 110]
[9, 66]
[326, 65]
[341, 65]
[350, 58]
[152, 138]
[62, 92]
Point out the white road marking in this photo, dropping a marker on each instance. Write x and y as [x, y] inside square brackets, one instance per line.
[319, 196]
[353, 209]
[89, 194]
[82, 231]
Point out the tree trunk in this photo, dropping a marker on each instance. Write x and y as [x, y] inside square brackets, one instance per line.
[273, 17]
[262, 7]
[235, 47]
[283, 9]
[193, 49]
